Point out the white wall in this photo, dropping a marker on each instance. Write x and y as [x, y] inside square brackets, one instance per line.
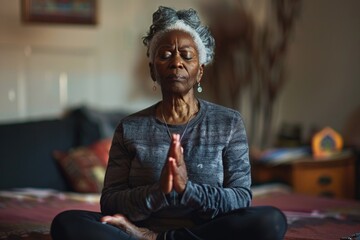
[102, 65]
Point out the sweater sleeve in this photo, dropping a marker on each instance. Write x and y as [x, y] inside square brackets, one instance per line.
[117, 197]
[210, 201]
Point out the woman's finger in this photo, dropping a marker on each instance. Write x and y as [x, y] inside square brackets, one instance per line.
[166, 179]
[180, 177]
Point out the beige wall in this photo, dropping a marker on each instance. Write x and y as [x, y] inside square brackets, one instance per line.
[103, 65]
[323, 66]
[101, 62]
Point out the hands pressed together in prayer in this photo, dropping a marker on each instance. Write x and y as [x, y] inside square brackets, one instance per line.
[173, 177]
[174, 174]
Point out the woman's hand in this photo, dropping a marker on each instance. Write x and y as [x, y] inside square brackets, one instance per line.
[166, 179]
[174, 173]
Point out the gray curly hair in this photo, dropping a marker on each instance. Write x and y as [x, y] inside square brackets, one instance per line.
[166, 19]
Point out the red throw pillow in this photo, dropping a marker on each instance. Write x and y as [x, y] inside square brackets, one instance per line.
[101, 148]
[84, 167]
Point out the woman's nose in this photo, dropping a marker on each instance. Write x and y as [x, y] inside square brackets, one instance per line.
[176, 61]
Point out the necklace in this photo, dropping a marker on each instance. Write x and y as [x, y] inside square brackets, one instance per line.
[167, 127]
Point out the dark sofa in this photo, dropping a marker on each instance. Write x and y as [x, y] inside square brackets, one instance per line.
[26, 148]
[33, 186]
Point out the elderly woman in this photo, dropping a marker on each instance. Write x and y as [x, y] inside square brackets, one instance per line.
[180, 168]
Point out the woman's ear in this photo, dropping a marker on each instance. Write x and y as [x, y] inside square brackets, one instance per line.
[201, 72]
[152, 74]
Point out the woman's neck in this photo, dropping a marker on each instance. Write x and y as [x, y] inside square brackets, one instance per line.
[178, 111]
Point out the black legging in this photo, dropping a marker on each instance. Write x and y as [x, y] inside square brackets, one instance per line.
[260, 223]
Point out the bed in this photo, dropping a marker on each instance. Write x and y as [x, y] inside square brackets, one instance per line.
[26, 214]
[316, 218]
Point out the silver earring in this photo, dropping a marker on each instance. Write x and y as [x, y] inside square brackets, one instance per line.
[154, 87]
[199, 88]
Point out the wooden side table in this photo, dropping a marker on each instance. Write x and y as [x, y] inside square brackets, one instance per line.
[328, 177]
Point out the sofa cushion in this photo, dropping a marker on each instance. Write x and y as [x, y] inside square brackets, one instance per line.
[84, 167]
[93, 124]
[26, 153]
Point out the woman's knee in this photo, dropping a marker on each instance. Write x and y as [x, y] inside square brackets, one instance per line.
[59, 224]
[71, 221]
[273, 222]
[63, 218]
[274, 214]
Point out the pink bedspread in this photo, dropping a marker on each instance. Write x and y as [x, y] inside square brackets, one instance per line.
[314, 217]
[27, 214]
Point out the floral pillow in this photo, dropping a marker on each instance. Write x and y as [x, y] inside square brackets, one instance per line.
[84, 167]
[101, 149]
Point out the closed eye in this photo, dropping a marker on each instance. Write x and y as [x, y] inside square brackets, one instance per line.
[187, 55]
[165, 55]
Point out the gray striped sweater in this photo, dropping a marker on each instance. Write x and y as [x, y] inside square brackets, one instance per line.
[216, 155]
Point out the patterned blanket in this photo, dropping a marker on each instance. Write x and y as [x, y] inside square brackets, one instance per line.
[311, 217]
[26, 214]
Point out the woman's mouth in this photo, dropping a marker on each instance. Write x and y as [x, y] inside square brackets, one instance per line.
[175, 77]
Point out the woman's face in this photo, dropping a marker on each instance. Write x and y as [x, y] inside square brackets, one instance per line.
[176, 64]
